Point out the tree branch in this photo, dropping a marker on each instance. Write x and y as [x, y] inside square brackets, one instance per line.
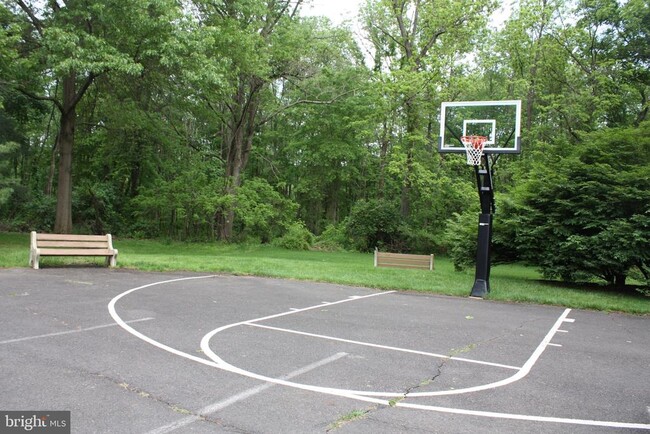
[218, 113]
[406, 44]
[89, 80]
[570, 52]
[295, 9]
[429, 44]
[36, 97]
[391, 37]
[302, 101]
[270, 25]
[414, 25]
[32, 17]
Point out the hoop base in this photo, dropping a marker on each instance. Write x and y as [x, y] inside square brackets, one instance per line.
[480, 289]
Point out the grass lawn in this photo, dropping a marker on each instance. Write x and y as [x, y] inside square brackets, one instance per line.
[516, 283]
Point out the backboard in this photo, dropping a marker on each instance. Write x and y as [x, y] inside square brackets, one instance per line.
[499, 121]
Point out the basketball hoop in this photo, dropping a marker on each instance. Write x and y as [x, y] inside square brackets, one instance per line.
[474, 148]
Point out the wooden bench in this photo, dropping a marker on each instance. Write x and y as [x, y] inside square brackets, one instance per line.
[402, 260]
[71, 245]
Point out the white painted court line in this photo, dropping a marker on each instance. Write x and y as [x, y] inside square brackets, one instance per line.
[521, 373]
[384, 347]
[134, 332]
[343, 393]
[68, 332]
[206, 339]
[528, 418]
[213, 408]
[113, 312]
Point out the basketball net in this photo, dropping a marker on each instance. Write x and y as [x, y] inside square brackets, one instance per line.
[474, 148]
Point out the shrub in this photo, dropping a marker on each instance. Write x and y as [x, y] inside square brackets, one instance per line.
[262, 212]
[418, 240]
[297, 237]
[460, 238]
[373, 223]
[461, 235]
[332, 239]
[589, 213]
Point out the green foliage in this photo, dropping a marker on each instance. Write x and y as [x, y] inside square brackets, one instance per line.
[7, 182]
[93, 207]
[332, 239]
[460, 239]
[180, 204]
[424, 240]
[374, 223]
[297, 237]
[262, 212]
[241, 113]
[588, 214]
[29, 211]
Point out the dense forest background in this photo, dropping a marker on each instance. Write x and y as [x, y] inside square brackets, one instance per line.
[242, 120]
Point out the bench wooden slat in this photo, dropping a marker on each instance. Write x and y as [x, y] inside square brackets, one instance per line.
[71, 245]
[410, 266]
[406, 256]
[75, 252]
[403, 260]
[69, 237]
[404, 264]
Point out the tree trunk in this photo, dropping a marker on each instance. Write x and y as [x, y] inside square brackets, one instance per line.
[412, 130]
[332, 203]
[50, 177]
[63, 221]
[643, 113]
[384, 143]
[531, 97]
[619, 281]
[239, 142]
[405, 198]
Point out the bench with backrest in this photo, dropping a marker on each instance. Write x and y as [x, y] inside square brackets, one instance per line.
[71, 245]
[403, 260]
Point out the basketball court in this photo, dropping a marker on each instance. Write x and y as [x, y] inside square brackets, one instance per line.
[133, 352]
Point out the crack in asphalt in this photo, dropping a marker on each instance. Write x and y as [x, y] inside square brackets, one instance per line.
[428, 380]
[173, 406]
[351, 417]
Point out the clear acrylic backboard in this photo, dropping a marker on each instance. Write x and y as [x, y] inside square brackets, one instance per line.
[499, 121]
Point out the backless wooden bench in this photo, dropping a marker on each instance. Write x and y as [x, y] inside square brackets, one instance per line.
[403, 260]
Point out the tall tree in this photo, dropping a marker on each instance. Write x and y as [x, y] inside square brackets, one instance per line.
[616, 35]
[63, 48]
[270, 48]
[257, 45]
[410, 38]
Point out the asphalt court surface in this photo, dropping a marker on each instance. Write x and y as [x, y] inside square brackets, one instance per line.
[133, 352]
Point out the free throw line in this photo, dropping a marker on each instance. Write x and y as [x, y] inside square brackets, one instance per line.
[384, 347]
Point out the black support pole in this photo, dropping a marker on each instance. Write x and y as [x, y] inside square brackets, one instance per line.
[486, 194]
